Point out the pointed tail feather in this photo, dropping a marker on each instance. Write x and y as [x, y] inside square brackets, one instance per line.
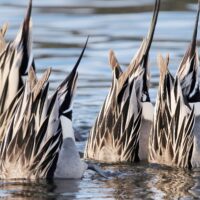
[23, 41]
[188, 69]
[194, 38]
[146, 53]
[67, 88]
[141, 57]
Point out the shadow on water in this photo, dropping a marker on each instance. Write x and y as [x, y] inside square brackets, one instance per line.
[59, 31]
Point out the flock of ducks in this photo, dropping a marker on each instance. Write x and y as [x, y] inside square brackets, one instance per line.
[36, 134]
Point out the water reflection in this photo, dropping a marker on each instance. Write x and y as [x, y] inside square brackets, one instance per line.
[168, 183]
[55, 189]
[141, 181]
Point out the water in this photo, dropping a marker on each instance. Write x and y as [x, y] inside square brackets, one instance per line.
[60, 29]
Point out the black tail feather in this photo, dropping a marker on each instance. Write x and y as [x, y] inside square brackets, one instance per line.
[67, 87]
[25, 40]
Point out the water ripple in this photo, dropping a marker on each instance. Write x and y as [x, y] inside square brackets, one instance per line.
[60, 29]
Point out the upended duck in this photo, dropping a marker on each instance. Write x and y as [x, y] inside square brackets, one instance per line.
[174, 139]
[37, 139]
[121, 130]
[171, 137]
[34, 145]
[188, 74]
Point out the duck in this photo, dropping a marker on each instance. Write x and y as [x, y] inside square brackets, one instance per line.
[34, 145]
[121, 130]
[174, 138]
[188, 74]
[37, 137]
[171, 137]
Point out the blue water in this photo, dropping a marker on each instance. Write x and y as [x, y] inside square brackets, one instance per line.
[60, 29]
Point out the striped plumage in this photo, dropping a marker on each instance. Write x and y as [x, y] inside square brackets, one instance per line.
[175, 138]
[188, 74]
[114, 137]
[188, 69]
[34, 141]
[171, 137]
[36, 132]
[15, 58]
[31, 141]
[116, 132]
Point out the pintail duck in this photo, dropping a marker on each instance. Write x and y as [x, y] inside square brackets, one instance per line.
[171, 137]
[120, 132]
[37, 139]
[174, 139]
[188, 74]
[34, 144]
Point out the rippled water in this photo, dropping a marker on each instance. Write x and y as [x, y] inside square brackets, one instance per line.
[60, 29]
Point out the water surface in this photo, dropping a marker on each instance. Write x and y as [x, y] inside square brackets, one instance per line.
[60, 29]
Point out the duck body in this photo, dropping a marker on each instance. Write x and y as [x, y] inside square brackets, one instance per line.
[171, 138]
[120, 132]
[175, 138]
[37, 139]
[69, 165]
